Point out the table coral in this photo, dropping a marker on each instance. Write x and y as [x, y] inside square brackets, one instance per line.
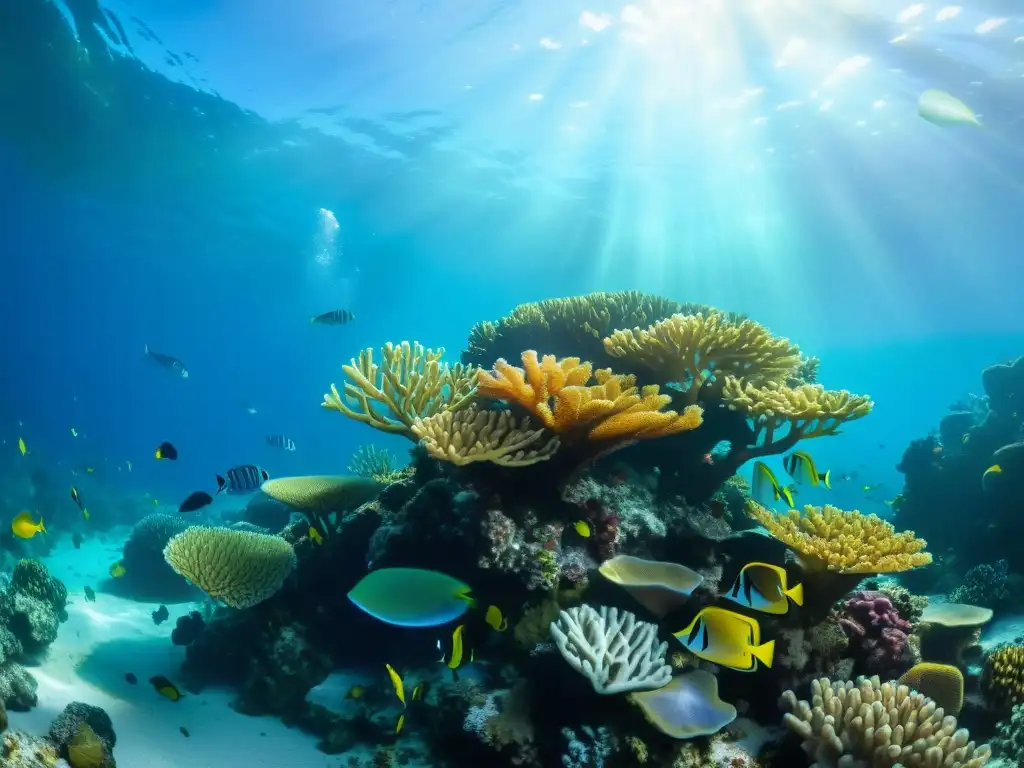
[827, 538]
[694, 350]
[609, 413]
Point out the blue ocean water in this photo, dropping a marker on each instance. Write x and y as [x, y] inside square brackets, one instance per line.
[204, 176]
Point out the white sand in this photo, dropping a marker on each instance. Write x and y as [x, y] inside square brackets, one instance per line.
[102, 641]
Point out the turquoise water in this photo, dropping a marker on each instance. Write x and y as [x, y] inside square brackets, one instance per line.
[204, 176]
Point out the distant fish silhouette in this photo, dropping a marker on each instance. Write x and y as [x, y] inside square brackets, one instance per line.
[168, 362]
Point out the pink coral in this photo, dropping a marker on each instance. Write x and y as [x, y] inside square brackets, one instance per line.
[878, 636]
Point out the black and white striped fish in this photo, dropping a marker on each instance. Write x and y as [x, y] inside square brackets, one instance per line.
[334, 317]
[244, 479]
[282, 442]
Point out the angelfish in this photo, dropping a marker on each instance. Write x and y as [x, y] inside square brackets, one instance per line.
[766, 488]
[801, 467]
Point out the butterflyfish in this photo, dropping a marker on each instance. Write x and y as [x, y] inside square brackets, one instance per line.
[399, 724]
[762, 587]
[24, 527]
[411, 597]
[660, 587]
[766, 489]
[315, 535]
[495, 619]
[166, 451]
[165, 687]
[939, 108]
[801, 467]
[728, 639]
[452, 658]
[396, 683]
[417, 692]
[22, 447]
[117, 570]
[582, 528]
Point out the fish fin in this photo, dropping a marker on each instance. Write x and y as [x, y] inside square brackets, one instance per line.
[788, 496]
[504, 625]
[826, 478]
[465, 596]
[221, 483]
[764, 653]
[796, 594]
[41, 526]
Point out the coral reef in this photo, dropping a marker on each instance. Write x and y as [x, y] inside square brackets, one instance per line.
[1009, 741]
[1003, 677]
[987, 585]
[409, 382]
[878, 636]
[147, 575]
[81, 736]
[881, 724]
[239, 568]
[471, 434]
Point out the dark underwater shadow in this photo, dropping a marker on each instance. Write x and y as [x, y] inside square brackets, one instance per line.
[144, 657]
[139, 593]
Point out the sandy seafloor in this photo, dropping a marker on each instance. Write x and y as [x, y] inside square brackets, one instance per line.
[102, 641]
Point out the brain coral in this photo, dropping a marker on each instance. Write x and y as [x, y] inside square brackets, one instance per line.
[239, 568]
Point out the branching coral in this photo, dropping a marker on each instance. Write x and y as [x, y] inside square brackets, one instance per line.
[610, 413]
[783, 415]
[832, 539]
[878, 725]
[985, 585]
[376, 463]
[693, 350]
[409, 382]
[472, 434]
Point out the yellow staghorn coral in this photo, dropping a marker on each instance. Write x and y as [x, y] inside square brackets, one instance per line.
[409, 382]
[832, 539]
[559, 394]
[783, 415]
[702, 348]
[472, 434]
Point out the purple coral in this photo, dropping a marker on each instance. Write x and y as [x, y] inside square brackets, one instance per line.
[878, 636]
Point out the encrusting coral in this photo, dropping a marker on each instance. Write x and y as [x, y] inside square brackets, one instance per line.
[471, 434]
[612, 412]
[410, 381]
[610, 648]
[784, 415]
[878, 725]
[238, 567]
[827, 538]
[695, 349]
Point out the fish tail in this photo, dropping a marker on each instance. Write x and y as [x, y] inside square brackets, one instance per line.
[826, 479]
[788, 496]
[796, 594]
[41, 526]
[764, 653]
[221, 483]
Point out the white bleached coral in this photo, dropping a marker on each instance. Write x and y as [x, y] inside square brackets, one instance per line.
[612, 649]
[869, 724]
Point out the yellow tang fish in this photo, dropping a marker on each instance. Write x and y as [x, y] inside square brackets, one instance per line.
[314, 534]
[766, 488]
[762, 587]
[396, 682]
[801, 467]
[727, 639]
[582, 528]
[22, 447]
[117, 570]
[165, 687]
[417, 692]
[399, 724]
[495, 620]
[24, 527]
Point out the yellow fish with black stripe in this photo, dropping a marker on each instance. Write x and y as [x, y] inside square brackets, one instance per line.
[801, 467]
[765, 487]
[728, 639]
[458, 650]
[762, 587]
